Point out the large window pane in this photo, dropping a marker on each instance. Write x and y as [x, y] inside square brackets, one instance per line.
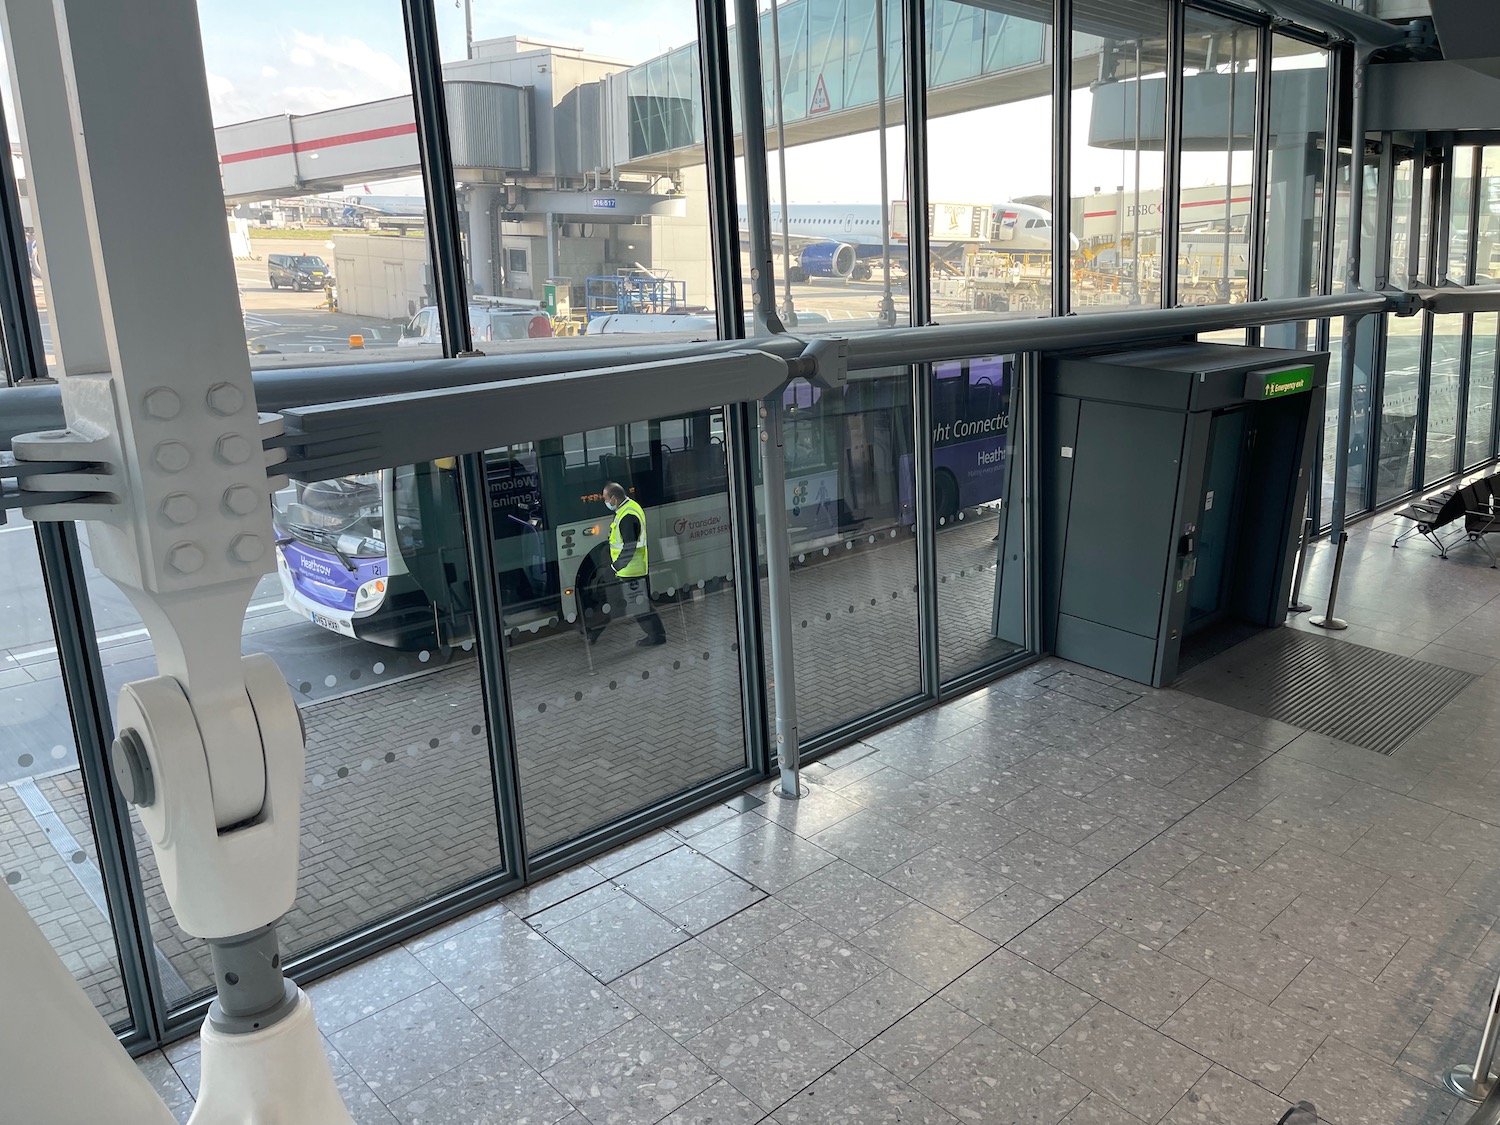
[850, 490]
[838, 211]
[1361, 418]
[1119, 111]
[1478, 430]
[1218, 135]
[369, 616]
[981, 554]
[1294, 203]
[49, 858]
[1441, 456]
[625, 689]
[1487, 239]
[991, 219]
[583, 200]
[318, 155]
[1459, 235]
[1370, 221]
[1395, 457]
[1401, 221]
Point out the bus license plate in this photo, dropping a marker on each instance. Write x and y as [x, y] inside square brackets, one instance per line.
[330, 623]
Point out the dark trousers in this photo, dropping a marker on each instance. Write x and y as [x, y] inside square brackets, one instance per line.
[631, 597]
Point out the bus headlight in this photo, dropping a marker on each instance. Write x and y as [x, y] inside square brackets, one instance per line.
[369, 595]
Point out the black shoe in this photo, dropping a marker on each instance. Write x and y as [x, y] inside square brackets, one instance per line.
[593, 634]
[650, 642]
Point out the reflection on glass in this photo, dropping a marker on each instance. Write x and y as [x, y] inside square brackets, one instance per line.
[1458, 215]
[1488, 234]
[1396, 454]
[1119, 107]
[838, 213]
[1369, 215]
[979, 538]
[1218, 137]
[1479, 427]
[369, 616]
[1358, 444]
[1441, 445]
[992, 239]
[48, 855]
[322, 181]
[619, 616]
[850, 509]
[579, 164]
[1294, 203]
[1401, 217]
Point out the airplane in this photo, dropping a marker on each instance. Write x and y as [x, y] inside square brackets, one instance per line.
[368, 205]
[839, 239]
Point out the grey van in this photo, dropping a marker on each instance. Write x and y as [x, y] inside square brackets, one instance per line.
[298, 271]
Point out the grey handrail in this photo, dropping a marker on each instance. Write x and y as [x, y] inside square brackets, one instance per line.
[29, 409]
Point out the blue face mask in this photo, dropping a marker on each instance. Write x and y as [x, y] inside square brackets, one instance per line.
[611, 505]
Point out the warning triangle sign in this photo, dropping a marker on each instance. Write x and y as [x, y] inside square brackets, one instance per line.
[820, 103]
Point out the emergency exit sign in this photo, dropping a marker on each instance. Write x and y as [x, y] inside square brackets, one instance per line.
[1278, 384]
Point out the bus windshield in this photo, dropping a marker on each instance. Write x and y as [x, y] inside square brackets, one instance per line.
[343, 515]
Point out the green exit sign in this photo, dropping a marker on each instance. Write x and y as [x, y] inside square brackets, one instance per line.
[1278, 384]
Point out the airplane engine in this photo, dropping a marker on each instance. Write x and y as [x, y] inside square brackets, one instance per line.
[827, 259]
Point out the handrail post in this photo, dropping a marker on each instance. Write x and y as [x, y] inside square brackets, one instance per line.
[779, 579]
[1473, 1082]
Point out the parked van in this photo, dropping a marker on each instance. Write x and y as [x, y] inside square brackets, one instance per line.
[490, 319]
[298, 271]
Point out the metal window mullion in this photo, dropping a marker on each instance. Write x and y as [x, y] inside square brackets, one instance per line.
[1172, 170]
[1260, 170]
[757, 187]
[716, 65]
[914, 59]
[1433, 207]
[87, 694]
[1461, 417]
[424, 53]
[1062, 155]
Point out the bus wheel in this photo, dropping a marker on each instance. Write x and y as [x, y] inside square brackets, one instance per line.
[945, 495]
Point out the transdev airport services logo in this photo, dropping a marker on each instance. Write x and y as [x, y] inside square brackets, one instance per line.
[699, 528]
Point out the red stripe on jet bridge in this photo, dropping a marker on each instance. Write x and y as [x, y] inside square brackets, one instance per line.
[322, 142]
[1191, 203]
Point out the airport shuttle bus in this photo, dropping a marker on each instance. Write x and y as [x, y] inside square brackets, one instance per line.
[382, 557]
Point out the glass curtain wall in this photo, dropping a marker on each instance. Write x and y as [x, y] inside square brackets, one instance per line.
[1401, 381]
[559, 240]
[991, 214]
[1295, 191]
[1479, 435]
[1118, 154]
[1218, 136]
[1445, 377]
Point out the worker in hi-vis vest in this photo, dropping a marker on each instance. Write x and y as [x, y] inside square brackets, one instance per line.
[628, 564]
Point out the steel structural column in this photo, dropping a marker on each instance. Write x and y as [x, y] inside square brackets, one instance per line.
[1255, 284]
[1466, 355]
[919, 281]
[1359, 116]
[1426, 208]
[1062, 157]
[1171, 196]
[716, 68]
[763, 318]
[425, 55]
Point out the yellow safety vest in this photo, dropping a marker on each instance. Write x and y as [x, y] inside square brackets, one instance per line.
[636, 567]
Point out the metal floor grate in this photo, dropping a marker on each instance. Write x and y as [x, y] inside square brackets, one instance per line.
[1356, 694]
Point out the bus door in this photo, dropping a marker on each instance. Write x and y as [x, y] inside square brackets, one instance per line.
[431, 532]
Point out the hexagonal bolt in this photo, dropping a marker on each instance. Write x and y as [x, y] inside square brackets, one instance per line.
[172, 457]
[241, 499]
[186, 557]
[246, 548]
[233, 449]
[225, 399]
[162, 403]
[179, 508]
[132, 769]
